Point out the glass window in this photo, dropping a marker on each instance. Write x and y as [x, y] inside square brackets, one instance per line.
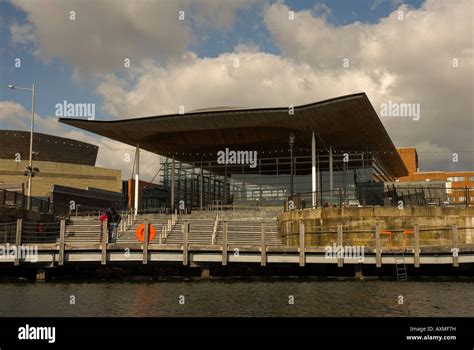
[455, 178]
[471, 178]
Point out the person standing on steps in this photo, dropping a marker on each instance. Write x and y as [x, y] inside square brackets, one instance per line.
[114, 220]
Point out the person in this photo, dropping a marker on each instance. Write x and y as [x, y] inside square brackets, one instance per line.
[102, 218]
[114, 219]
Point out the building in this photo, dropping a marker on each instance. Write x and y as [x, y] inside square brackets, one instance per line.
[459, 185]
[64, 164]
[328, 152]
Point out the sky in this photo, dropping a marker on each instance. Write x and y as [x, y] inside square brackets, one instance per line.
[141, 58]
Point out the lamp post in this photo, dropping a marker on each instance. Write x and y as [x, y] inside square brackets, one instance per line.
[291, 141]
[29, 171]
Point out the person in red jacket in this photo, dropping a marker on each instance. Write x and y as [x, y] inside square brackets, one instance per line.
[102, 218]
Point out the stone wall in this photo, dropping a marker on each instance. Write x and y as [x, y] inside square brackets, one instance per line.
[359, 225]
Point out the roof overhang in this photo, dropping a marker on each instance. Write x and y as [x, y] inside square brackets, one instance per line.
[347, 123]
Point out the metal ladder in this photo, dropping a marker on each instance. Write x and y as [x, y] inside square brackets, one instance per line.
[400, 266]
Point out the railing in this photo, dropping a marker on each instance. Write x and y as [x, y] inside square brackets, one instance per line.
[128, 219]
[214, 229]
[386, 196]
[19, 201]
[8, 232]
[168, 227]
[40, 232]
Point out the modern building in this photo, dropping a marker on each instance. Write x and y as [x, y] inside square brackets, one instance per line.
[332, 151]
[64, 164]
[459, 185]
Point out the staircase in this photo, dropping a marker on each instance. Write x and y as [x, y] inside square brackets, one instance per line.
[157, 221]
[244, 231]
[249, 233]
[83, 229]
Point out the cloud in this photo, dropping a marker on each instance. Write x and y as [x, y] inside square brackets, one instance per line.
[404, 61]
[102, 36]
[259, 80]
[112, 154]
[215, 14]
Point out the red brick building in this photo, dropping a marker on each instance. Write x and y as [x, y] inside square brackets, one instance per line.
[459, 184]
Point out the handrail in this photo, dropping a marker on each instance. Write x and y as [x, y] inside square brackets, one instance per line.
[126, 224]
[214, 229]
[169, 226]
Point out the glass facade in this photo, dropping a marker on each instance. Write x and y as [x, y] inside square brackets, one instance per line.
[203, 184]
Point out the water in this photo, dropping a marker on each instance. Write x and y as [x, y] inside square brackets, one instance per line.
[236, 297]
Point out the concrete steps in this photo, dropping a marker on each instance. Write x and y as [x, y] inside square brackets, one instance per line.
[245, 231]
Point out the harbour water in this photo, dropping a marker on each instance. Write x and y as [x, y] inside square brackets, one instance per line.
[238, 297]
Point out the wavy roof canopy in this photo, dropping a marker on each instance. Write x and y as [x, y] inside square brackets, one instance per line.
[347, 123]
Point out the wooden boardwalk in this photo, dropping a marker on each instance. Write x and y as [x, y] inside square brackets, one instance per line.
[223, 252]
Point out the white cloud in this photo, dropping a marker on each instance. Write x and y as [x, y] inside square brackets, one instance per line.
[260, 80]
[102, 36]
[407, 60]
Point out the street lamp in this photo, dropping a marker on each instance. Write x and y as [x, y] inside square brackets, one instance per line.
[29, 171]
[291, 141]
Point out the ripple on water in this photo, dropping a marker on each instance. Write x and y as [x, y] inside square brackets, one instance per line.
[222, 297]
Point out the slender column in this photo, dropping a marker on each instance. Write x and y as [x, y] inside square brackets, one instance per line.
[201, 189]
[173, 169]
[313, 171]
[137, 178]
[331, 179]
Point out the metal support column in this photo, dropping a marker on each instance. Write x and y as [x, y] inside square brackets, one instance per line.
[313, 171]
[137, 178]
[173, 169]
[331, 179]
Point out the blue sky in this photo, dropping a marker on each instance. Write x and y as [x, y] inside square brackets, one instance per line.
[283, 62]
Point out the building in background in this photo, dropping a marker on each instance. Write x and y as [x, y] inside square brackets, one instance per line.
[67, 169]
[459, 185]
[331, 152]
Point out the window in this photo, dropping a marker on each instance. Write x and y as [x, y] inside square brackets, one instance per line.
[461, 199]
[471, 178]
[456, 178]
